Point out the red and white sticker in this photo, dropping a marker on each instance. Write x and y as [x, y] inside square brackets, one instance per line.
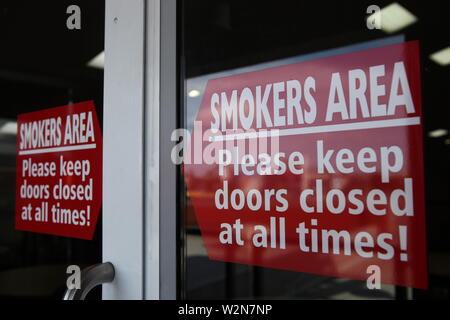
[317, 167]
[59, 171]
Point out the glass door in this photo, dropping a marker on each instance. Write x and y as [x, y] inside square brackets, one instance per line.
[48, 59]
[239, 56]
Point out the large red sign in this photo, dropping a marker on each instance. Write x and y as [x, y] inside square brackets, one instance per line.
[59, 171]
[315, 167]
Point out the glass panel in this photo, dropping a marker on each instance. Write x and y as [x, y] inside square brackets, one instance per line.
[43, 64]
[225, 38]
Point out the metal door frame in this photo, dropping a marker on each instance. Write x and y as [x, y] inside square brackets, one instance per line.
[140, 112]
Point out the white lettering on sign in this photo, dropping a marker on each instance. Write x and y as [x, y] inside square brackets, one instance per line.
[77, 129]
[294, 103]
[337, 103]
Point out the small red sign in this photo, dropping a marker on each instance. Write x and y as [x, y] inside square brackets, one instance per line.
[59, 171]
[317, 167]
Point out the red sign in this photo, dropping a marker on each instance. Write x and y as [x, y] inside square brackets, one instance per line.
[315, 167]
[59, 171]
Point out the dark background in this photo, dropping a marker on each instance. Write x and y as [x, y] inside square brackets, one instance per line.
[43, 65]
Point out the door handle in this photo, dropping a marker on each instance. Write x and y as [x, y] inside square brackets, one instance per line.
[91, 277]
